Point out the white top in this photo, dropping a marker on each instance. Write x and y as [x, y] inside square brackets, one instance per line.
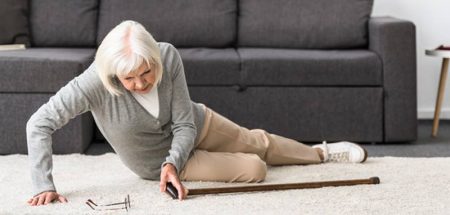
[149, 101]
[438, 53]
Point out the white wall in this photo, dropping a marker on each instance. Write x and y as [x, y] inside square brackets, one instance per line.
[432, 20]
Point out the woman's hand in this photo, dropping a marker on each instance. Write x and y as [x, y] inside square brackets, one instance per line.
[45, 198]
[169, 174]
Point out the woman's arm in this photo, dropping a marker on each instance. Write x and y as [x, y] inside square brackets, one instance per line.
[77, 97]
[183, 128]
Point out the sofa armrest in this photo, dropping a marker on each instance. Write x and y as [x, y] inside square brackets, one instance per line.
[394, 41]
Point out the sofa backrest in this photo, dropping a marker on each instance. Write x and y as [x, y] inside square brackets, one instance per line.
[306, 24]
[184, 23]
[14, 22]
[63, 23]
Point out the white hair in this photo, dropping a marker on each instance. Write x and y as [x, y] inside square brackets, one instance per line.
[124, 49]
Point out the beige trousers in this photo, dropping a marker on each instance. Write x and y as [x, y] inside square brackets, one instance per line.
[230, 153]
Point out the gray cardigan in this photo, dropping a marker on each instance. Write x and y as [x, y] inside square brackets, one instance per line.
[142, 142]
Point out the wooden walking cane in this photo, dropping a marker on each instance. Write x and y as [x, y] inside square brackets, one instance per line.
[172, 191]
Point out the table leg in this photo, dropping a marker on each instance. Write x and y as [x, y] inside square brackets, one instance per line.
[440, 96]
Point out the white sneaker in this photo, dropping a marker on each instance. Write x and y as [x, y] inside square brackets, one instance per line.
[343, 152]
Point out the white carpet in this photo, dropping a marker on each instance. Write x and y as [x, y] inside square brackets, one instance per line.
[408, 185]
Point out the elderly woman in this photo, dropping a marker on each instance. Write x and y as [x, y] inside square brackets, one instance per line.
[137, 93]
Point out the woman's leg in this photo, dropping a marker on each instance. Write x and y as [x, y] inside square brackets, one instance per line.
[223, 166]
[222, 135]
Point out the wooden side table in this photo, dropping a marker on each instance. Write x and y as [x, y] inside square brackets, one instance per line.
[445, 54]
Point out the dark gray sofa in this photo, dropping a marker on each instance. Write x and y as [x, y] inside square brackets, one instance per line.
[311, 70]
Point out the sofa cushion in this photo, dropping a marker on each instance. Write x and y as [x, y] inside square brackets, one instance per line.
[205, 66]
[17, 108]
[315, 24]
[261, 66]
[302, 113]
[187, 23]
[64, 23]
[42, 69]
[14, 22]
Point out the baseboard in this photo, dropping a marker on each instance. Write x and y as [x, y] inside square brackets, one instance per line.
[428, 113]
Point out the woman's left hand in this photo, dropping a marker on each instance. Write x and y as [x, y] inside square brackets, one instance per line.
[169, 174]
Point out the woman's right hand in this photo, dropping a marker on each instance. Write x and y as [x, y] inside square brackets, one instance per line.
[45, 198]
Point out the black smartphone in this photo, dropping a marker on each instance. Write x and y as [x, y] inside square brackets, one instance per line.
[171, 190]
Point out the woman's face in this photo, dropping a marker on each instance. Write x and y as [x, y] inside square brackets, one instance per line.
[139, 81]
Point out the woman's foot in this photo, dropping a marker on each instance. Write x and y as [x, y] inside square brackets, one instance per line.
[343, 152]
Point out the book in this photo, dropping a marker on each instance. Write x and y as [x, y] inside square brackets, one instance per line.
[443, 47]
[12, 47]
